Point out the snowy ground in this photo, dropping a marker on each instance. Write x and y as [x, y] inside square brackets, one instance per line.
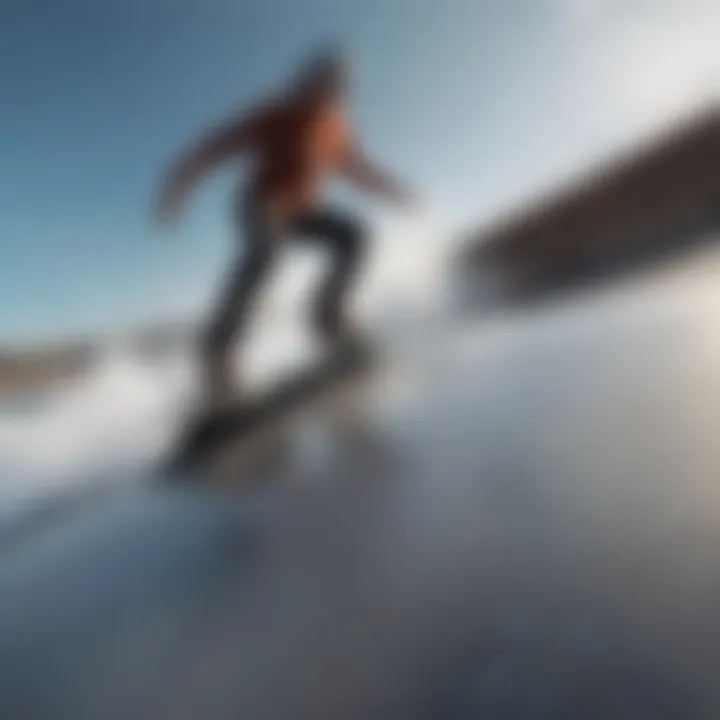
[527, 528]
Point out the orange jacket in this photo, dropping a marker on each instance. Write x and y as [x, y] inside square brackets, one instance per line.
[296, 148]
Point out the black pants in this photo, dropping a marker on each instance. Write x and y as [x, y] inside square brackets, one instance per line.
[265, 233]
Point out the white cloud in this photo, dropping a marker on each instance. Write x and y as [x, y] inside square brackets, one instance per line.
[646, 61]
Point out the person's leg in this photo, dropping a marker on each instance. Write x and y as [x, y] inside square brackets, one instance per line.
[262, 237]
[346, 240]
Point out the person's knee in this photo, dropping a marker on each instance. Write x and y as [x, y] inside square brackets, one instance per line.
[215, 339]
[229, 315]
[257, 262]
[354, 241]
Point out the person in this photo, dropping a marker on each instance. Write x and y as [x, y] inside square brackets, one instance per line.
[297, 142]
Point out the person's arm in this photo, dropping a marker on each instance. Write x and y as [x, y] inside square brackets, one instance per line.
[361, 171]
[219, 146]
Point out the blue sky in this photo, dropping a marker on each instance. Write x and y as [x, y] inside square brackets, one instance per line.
[478, 103]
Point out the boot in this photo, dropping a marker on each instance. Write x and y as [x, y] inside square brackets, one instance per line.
[220, 385]
[339, 335]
